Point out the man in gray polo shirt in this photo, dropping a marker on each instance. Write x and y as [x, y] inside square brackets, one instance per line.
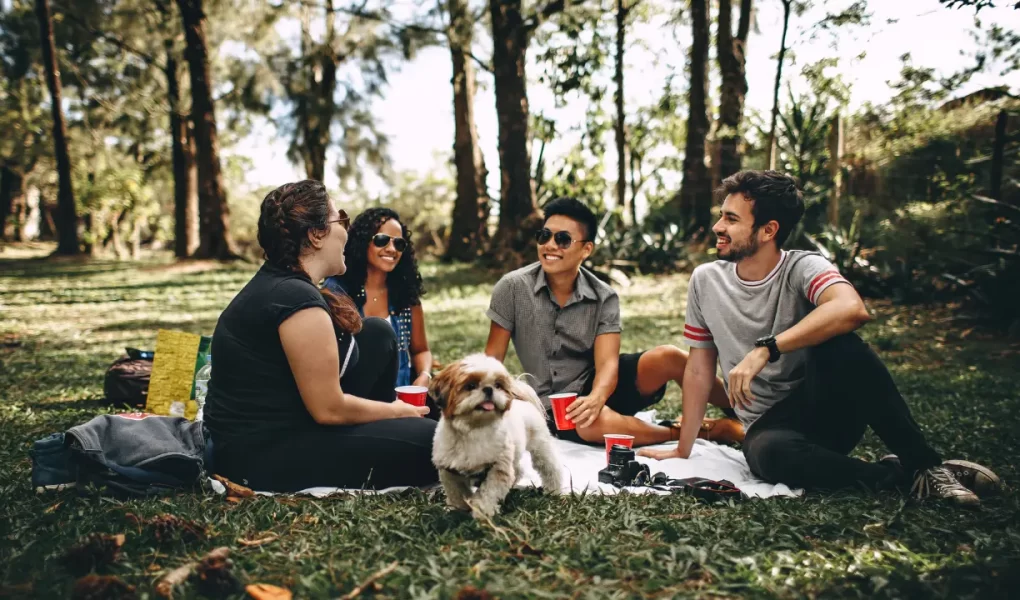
[780, 323]
[565, 326]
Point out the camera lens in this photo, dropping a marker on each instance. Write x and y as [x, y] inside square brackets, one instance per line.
[620, 454]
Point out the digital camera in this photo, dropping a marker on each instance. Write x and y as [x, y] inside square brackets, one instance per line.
[622, 469]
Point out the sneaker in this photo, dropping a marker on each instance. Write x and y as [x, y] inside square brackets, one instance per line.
[940, 482]
[981, 480]
[977, 478]
[51, 464]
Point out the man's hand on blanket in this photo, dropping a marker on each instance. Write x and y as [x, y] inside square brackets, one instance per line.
[585, 410]
[673, 452]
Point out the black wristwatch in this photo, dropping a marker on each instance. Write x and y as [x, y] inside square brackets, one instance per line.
[770, 343]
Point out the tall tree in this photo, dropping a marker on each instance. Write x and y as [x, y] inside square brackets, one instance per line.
[214, 229]
[770, 146]
[185, 171]
[511, 32]
[695, 198]
[67, 216]
[620, 126]
[469, 232]
[732, 55]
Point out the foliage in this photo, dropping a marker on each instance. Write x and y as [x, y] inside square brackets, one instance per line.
[653, 246]
[63, 323]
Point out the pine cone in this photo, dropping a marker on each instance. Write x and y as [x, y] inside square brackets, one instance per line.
[92, 552]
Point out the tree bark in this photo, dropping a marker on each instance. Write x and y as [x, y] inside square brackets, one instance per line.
[469, 231]
[214, 213]
[67, 215]
[998, 151]
[696, 188]
[770, 147]
[320, 105]
[12, 193]
[629, 210]
[185, 192]
[517, 209]
[835, 167]
[732, 54]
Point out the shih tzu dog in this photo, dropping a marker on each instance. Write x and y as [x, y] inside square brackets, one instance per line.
[488, 420]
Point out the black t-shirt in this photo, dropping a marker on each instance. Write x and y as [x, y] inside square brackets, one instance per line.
[253, 396]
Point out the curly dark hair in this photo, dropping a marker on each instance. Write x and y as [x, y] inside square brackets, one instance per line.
[404, 283]
[774, 195]
[288, 214]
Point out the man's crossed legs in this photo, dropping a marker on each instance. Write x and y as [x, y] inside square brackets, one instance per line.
[641, 382]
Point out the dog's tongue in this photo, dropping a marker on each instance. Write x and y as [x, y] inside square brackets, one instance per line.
[488, 405]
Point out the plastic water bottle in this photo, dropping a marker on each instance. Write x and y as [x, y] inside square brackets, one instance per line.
[202, 385]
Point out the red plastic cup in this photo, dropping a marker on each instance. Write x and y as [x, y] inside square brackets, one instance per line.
[413, 394]
[614, 439]
[559, 403]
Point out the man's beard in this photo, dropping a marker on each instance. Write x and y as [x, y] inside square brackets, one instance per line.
[737, 253]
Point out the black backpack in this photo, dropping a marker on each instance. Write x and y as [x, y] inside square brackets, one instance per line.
[127, 379]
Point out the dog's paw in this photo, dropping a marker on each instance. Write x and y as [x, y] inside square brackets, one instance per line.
[458, 504]
[483, 511]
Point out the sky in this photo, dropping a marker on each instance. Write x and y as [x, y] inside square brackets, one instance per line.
[417, 110]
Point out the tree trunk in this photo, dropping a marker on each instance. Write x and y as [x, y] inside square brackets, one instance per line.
[835, 167]
[770, 147]
[621, 131]
[517, 210]
[12, 192]
[732, 54]
[214, 213]
[185, 193]
[320, 105]
[67, 216]
[469, 231]
[696, 188]
[998, 151]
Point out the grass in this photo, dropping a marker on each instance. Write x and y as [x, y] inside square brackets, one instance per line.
[63, 322]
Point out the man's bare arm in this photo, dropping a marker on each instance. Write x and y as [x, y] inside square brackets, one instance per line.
[498, 342]
[699, 377]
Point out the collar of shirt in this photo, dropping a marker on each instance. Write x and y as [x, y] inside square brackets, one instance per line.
[582, 289]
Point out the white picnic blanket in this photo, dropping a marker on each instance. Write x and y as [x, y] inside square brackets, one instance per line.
[581, 465]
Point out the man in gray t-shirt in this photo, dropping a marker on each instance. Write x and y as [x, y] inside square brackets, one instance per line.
[565, 326]
[780, 323]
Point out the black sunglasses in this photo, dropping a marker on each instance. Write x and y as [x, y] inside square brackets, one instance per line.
[342, 219]
[562, 238]
[381, 240]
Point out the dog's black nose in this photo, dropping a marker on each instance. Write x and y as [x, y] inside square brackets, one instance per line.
[487, 391]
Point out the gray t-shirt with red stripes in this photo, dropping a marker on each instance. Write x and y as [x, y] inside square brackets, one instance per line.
[728, 314]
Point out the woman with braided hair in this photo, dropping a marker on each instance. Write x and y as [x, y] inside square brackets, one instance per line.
[280, 418]
[383, 279]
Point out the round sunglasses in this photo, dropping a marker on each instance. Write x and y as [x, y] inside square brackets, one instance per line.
[381, 240]
[562, 238]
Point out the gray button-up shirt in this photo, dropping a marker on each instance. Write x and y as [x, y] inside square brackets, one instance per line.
[556, 345]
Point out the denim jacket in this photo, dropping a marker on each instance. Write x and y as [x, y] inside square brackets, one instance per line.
[400, 320]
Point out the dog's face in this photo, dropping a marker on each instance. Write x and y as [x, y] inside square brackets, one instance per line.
[473, 391]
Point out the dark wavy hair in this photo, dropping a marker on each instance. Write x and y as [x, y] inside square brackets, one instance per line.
[774, 195]
[404, 283]
[288, 214]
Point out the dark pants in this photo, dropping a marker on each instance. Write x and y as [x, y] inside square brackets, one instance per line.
[380, 454]
[804, 440]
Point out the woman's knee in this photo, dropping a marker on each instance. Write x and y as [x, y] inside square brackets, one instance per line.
[376, 333]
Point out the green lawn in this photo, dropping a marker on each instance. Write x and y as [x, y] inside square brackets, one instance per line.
[62, 323]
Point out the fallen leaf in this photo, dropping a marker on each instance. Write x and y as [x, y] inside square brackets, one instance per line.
[265, 591]
[53, 508]
[234, 490]
[93, 551]
[263, 540]
[101, 587]
[469, 592]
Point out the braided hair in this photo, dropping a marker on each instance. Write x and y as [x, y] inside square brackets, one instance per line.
[287, 216]
[404, 283]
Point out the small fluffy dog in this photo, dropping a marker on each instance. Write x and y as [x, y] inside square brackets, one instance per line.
[489, 419]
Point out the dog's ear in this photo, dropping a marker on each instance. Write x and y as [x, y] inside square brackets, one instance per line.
[440, 387]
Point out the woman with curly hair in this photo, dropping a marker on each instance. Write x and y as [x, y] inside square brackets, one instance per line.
[382, 276]
[279, 417]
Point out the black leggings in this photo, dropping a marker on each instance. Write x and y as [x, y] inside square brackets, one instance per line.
[376, 455]
[804, 440]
